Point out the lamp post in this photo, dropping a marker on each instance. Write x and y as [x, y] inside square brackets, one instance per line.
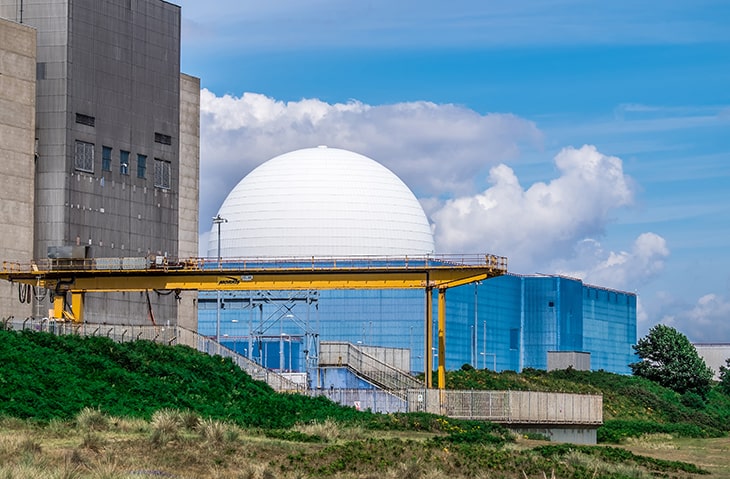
[494, 360]
[217, 220]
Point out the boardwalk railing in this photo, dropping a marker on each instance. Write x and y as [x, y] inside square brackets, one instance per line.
[510, 407]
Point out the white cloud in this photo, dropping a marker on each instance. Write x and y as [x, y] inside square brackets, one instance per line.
[435, 149]
[537, 225]
[620, 270]
[703, 322]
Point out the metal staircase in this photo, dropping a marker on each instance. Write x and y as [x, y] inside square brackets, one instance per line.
[369, 368]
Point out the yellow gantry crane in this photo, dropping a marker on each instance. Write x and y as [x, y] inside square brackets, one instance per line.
[441, 272]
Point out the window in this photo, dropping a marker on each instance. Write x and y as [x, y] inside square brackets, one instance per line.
[124, 162]
[514, 338]
[87, 120]
[162, 173]
[106, 158]
[163, 139]
[84, 156]
[141, 166]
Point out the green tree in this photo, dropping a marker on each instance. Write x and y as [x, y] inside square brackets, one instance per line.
[669, 359]
[724, 385]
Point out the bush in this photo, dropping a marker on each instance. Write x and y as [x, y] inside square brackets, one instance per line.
[165, 425]
[724, 385]
[693, 400]
[91, 419]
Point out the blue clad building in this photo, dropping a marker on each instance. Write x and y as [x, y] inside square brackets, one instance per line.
[323, 202]
[504, 323]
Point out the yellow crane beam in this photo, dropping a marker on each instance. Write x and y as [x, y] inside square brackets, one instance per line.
[110, 275]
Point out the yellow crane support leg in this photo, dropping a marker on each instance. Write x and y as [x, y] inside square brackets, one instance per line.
[77, 306]
[428, 348]
[59, 305]
[442, 338]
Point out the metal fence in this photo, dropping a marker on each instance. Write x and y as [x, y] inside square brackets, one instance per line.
[507, 407]
[510, 407]
[375, 400]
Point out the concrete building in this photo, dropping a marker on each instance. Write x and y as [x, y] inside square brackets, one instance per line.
[715, 355]
[117, 131]
[17, 149]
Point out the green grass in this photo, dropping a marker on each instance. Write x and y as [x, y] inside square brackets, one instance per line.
[104, 404]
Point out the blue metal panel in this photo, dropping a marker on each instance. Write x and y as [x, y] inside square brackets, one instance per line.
[505, 323]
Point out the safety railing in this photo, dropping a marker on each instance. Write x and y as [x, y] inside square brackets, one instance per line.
[374, 400]
[333, 353]
[417, 262]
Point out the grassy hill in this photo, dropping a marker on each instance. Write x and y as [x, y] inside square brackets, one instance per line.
[47, 383]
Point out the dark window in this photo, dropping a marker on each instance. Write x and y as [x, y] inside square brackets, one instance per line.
[40, 71]
[162, 173]
[551, 304]
[124, 162]
[85, 119]
[106, 158]
[141, 166]
[514, 338]
[84, 156]
[163, 139]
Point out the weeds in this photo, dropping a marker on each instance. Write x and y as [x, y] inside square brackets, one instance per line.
[93, 441]
[212, 431]
[92, 419]
[328, 429]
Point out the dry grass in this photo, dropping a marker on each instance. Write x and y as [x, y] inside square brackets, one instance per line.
[328, 429]
[331, 431]
[653, 441]
[711, 454]
[91, 419]
[166, 425]
[219, 450]
[600, 467]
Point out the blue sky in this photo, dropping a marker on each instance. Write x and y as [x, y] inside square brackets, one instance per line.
[574, 137]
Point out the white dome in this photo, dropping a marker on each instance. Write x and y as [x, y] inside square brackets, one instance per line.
[321, 202]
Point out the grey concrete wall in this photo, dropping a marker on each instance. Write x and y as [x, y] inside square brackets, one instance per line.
[50, 18]
[17, 145]
[574, 435]
[714, 356]
[578, 360]
[188, 211]
[124, 67]
[397, 357]
[116, 63]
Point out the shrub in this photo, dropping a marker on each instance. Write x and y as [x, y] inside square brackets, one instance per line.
[190, 420]
[724, 385]
[615, 431]
[693, 400]
[165, 426]
[92, 419]
[212, 431]
[93, 441]
[328, 429]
